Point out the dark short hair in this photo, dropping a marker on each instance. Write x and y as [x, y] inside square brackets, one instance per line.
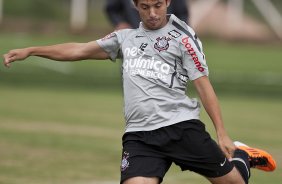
[136, 1]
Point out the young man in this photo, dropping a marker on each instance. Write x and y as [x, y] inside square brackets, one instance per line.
[162, 123]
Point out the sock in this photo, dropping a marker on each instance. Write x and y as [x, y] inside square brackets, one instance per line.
[241, 162]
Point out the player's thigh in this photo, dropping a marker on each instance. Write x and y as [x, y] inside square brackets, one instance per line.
[233, 177]
[142, 180]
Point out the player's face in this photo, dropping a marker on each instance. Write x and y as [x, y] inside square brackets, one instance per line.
[153, 13]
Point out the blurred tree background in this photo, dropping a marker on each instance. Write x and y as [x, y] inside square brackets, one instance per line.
[50, 16]
[40, 14]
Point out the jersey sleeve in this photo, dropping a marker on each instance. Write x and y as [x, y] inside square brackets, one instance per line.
[111, 45]
[194, 61]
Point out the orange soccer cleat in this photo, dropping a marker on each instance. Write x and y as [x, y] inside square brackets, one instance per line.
[258, 158]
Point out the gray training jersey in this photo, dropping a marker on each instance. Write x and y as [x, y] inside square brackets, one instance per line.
[157, 64]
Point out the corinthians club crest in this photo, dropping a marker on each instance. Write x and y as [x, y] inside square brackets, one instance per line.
[124, 162]
[162, 43]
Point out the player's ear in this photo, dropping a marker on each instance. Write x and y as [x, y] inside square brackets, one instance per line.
[168, 3]
[134, 4]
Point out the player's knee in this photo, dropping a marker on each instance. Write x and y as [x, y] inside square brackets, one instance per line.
[142, 180]
[233, 177]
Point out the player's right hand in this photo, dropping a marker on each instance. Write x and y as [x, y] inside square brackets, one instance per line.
[226, 145]
[15, 55]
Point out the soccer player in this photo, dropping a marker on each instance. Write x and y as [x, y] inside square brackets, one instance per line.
[162, 123]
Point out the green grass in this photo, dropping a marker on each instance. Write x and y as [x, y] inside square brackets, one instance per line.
[61, 136]
[245, 68]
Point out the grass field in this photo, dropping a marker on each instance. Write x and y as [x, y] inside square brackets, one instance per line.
[62, 122]
[62, 136]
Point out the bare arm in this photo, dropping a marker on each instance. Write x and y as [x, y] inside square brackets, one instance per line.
[210, 103]
[60, 52]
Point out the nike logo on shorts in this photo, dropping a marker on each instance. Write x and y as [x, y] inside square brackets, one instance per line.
[222, 164]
